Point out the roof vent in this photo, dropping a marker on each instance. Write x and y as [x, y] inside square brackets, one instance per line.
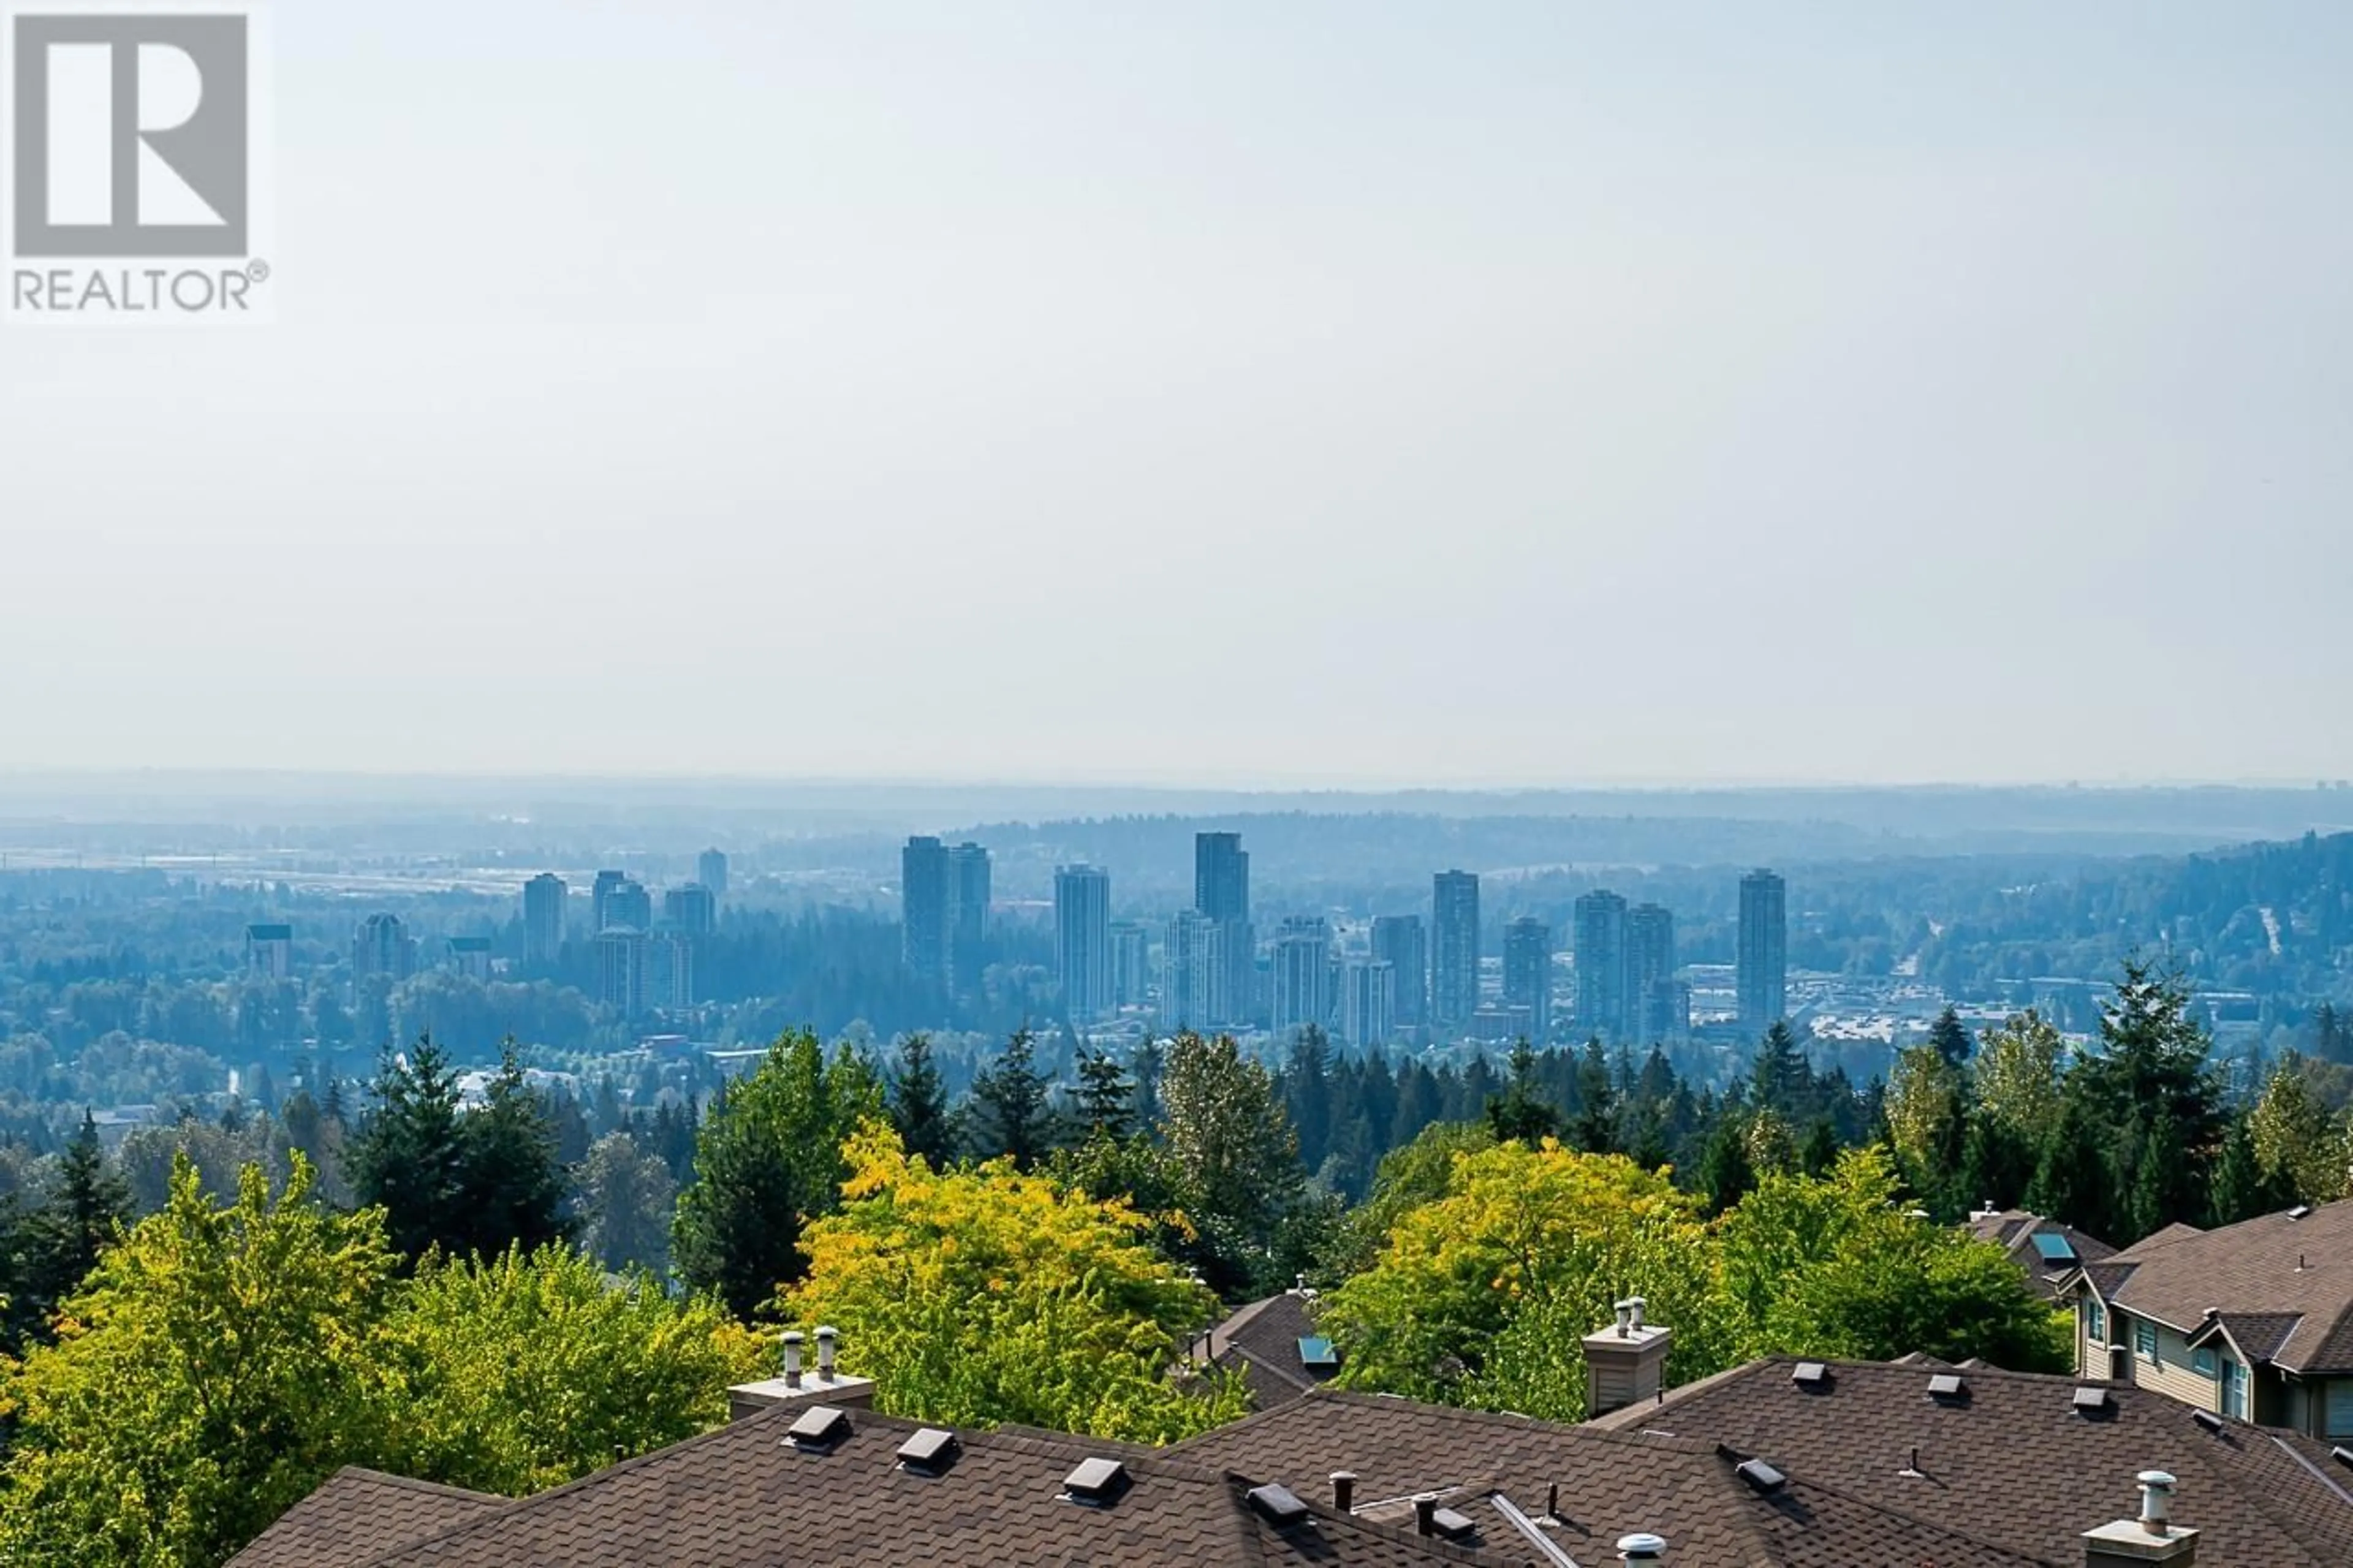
[1641, 1549]
[1948, 1388]
[929, 1452]
[2343, 1457]
[1277, 1506]
[819, 1429]
[2092, 1401]
[1761, 1476]
[2208, 1419]
[2299, 1211]
[1811, 1374]
[1097, 1483]
[1450, 1524]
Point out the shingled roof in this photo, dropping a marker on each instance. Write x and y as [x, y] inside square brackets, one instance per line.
[2049, 1263]
[1262, 1342]
[2012, 1457]
[1584, 1488]
[360, 1515]
[2259, 1275]
[745, 1497]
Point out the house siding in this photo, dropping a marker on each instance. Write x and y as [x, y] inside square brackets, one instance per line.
[2170, 1373]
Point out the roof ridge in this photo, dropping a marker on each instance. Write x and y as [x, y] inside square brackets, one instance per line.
[488, 1516]
[410, 1483]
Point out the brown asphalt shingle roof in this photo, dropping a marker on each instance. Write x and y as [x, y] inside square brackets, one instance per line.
[1262, 1341]
[1609, 1484]
[2015, 1464]
[2268, 1268]
[743, 1498]
[2014, 1230]
[359, 1514]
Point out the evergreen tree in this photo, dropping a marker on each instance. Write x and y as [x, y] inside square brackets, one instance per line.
[2153, 1102]
[2071, 1178]
[510, 1177]
[1106, 1097]
[1783, 1079]
[1951, 1039]
[407, 1156]
[1520, 1112]
[767, 1160]
[1012, 1110]
[1726, 1174]
[2240, 1191]
[1308, 1093]
[919, 1104]
[87, 1206]
[1594, 1128]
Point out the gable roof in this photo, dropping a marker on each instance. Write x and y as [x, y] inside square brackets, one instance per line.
[2013, 1461]
[2259, 1272]
[743, 1497]
[1597, 1485]
[1262, 1341]
[2016, 1232]
[359, 1514]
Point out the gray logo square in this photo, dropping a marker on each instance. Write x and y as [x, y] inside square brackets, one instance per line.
[118, 118]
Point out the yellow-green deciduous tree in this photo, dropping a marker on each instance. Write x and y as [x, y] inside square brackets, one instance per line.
[520, 1372]
[212, 1371]
[979, 1295]
[1840, 1266]
[1480, 1297]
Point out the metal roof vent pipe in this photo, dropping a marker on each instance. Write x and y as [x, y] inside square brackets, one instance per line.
[1641, 1549]
[827, 1336]
[1343, 1491]
[792, 1358]
[1425, 1514]
[2151, 1538]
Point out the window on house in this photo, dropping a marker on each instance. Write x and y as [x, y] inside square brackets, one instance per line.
[2339, 1409]
[2145, 1339]
[2204, 1363]
[2096, 1320]
[2234, 1390]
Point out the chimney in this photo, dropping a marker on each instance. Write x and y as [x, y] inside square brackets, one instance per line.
[1625, 1363]
[2151, 1538]
[795, 1388]
[1641, 1549]
[1343, 1491]
[1425, 1514]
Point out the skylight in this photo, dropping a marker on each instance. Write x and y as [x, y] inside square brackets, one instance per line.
[1315, 1351]
[2054, 1248]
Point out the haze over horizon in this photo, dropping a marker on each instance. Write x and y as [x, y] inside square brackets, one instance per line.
[1528, 396]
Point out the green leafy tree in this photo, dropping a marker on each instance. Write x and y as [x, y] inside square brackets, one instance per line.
[1416, 1174]
[1222, 1122]
[982, 1295]
[767, 1159]
[1481, 1296]
[628, 1197]
[210, 1374]
[2302, 1152]
[516, 1373]
[1840, 1267]
[919, 1102]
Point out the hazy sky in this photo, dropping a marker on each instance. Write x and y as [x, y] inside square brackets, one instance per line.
[1300, 393]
